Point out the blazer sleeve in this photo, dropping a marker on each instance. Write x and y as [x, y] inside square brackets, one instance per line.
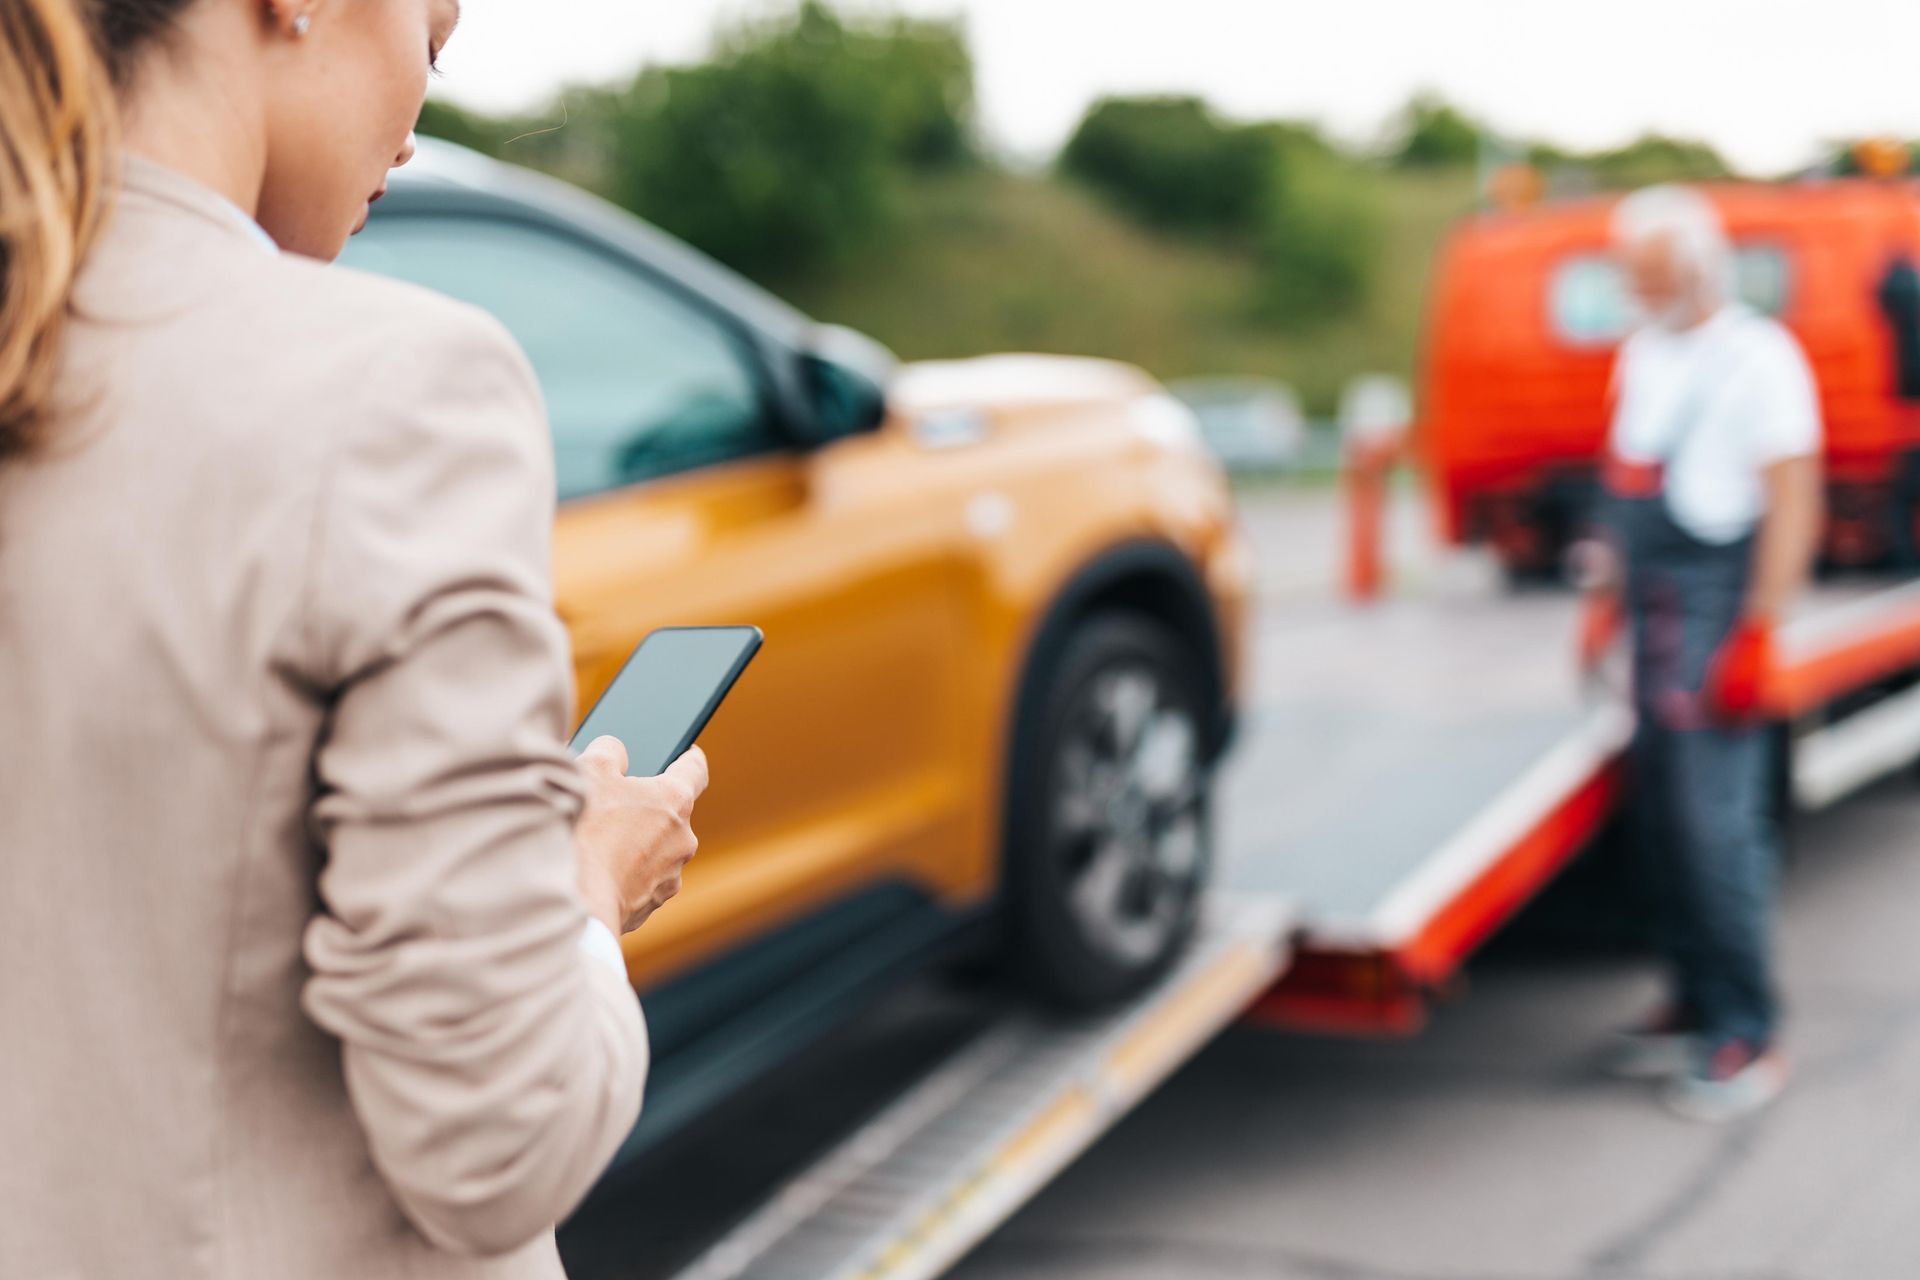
[494, 1062]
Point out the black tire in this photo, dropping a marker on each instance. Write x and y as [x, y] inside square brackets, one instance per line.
[1109, 840]
[1782, 810]
[1526, 579]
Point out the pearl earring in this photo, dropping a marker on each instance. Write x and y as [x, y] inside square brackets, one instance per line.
[302, 24]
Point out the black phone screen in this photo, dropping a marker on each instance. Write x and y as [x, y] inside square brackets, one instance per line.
[667, 691]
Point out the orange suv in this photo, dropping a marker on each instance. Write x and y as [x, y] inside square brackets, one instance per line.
[1002, 597]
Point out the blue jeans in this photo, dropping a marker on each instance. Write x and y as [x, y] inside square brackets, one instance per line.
[1701, 824]
[1700, 812]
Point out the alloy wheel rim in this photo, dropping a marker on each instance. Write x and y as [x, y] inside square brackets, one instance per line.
[1128, 816]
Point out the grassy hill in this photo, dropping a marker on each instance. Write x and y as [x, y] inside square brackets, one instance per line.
[985, 260]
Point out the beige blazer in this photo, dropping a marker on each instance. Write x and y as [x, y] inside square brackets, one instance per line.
[291, 982]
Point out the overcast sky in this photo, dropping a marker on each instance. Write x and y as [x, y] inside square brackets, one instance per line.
[1764, 80]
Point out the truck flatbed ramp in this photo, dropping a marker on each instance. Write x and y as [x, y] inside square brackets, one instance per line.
[930, 1176]
[1850, 642]
[1419, 770]
[1408, 776]
[1415, 771]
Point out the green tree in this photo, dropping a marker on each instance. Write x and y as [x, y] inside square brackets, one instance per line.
[917, 77]
[1654, 158]
[1278, 191]
[914, 76]
[1172, 163]
[779, 154]
[783, 153]
[1432, 134]
[764, 157]
[1320, 236]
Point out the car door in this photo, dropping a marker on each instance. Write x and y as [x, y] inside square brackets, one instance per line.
[683, 501]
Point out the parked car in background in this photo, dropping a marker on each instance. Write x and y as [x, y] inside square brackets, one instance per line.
[1003, 602]
[1250, 424]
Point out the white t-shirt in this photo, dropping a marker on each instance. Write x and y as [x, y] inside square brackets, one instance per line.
[1718, 404]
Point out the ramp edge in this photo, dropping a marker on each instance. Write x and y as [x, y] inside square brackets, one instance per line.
[1107, 1066]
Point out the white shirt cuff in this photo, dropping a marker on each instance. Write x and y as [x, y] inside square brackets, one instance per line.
[598, 941]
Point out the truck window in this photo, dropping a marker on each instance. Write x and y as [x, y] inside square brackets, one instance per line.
[1587, 301]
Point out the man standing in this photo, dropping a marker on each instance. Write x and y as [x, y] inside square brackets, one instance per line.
[1712, 517]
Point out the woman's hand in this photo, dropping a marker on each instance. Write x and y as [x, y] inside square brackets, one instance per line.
[636, 833]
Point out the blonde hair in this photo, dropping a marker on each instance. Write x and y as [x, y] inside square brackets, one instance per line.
[57, 128]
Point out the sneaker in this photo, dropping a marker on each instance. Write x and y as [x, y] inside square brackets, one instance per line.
[1736, 1079]
[1657, 1049]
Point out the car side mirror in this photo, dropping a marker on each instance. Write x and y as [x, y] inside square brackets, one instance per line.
[845, 376]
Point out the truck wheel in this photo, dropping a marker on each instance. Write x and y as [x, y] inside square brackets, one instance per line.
[1783, 811]
[1109, 844]
[1520, 579]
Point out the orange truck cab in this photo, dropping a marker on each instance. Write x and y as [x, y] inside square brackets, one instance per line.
[1528, 308]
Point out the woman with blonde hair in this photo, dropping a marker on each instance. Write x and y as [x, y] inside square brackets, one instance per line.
[307, 920]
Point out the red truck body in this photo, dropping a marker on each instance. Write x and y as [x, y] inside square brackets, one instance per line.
[1527, 311]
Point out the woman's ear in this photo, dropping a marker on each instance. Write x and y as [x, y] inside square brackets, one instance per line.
[291, 18]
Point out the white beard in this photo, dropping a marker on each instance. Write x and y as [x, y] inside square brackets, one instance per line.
[1675, 317]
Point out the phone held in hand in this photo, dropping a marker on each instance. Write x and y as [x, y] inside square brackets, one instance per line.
[666, 692]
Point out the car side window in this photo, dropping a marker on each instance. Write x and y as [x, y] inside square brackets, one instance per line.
[640, 381]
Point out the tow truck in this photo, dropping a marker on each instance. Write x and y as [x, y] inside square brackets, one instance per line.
[1528, 308]
[1415, 770]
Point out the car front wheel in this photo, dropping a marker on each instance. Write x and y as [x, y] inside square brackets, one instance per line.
[1109, 839]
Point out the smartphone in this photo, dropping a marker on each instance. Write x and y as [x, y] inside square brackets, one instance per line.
[667, 691]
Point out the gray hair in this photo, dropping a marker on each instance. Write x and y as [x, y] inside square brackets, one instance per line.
[1688, 221]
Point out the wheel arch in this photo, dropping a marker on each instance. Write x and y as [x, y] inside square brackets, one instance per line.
[1147, 577]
